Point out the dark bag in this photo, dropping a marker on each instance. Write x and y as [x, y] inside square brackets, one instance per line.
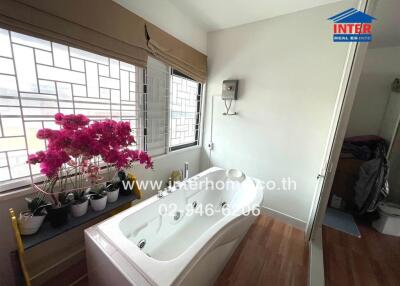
[372, 185]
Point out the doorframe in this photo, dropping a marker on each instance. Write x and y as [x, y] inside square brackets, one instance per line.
[344, 103]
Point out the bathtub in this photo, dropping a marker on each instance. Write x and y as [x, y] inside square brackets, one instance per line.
[183, 238]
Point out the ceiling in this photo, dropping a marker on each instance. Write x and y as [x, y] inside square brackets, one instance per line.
[214, 15]
[386, 28]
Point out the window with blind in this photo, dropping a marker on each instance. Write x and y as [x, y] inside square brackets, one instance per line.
[172, 108]
[39, 78]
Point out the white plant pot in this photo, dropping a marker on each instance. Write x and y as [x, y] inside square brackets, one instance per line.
[99, 204]
[29, 224]
[78, 210]
[112, 196]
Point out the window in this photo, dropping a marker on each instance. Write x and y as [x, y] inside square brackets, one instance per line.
[39, 78]
[172, 106]
[184, 111]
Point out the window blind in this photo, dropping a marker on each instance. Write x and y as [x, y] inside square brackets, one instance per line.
[103, 27]
[156, 107]
[99, 26]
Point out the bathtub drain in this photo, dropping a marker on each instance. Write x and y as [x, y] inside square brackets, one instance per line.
[141, 243]
[177, 216]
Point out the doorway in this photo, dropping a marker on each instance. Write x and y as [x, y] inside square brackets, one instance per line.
[370, 257]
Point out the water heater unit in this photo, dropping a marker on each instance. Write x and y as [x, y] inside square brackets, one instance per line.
[230, 89]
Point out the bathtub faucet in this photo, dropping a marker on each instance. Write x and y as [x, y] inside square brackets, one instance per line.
[186, 171]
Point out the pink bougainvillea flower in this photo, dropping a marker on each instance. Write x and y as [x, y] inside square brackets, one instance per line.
[36, 158]
[79, 141]
[58, 117]
[111, 156]
[71, 121]
[52, 161]
[82, 141]
[145, 159]
[45, 133]
[61, 139]
[132, 154]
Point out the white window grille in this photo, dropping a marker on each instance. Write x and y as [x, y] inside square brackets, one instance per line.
[39, 78]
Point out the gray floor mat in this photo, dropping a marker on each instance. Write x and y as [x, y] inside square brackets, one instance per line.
[341, 221]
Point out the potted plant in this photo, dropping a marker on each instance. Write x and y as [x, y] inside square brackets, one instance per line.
[126, 182]
[80, 204]
[30, 221]
[58, 212]
[112, 189]
[98, 197]
[76, 152]
[60, 200]
[125, 187]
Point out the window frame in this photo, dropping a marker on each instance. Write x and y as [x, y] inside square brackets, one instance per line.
[196, 142]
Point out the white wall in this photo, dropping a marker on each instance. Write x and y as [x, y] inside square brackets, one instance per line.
[381, 67]
[289, 72]
[166, 16]
[162, 170]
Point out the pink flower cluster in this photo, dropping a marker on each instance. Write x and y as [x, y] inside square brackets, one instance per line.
[77, 138]
[71, 121]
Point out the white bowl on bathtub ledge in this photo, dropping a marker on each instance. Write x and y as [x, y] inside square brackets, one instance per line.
[235, 175]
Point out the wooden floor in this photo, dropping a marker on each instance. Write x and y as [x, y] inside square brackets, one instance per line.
[372, 260]
[272, 253]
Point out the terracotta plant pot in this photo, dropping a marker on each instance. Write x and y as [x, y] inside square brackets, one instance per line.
[79, 208]
[98, 202]
[28, 223]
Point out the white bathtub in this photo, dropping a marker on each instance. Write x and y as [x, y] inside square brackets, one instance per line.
[183, 246]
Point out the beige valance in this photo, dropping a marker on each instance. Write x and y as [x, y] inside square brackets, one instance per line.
[104, 27]
[176, 53]
[100, 26]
